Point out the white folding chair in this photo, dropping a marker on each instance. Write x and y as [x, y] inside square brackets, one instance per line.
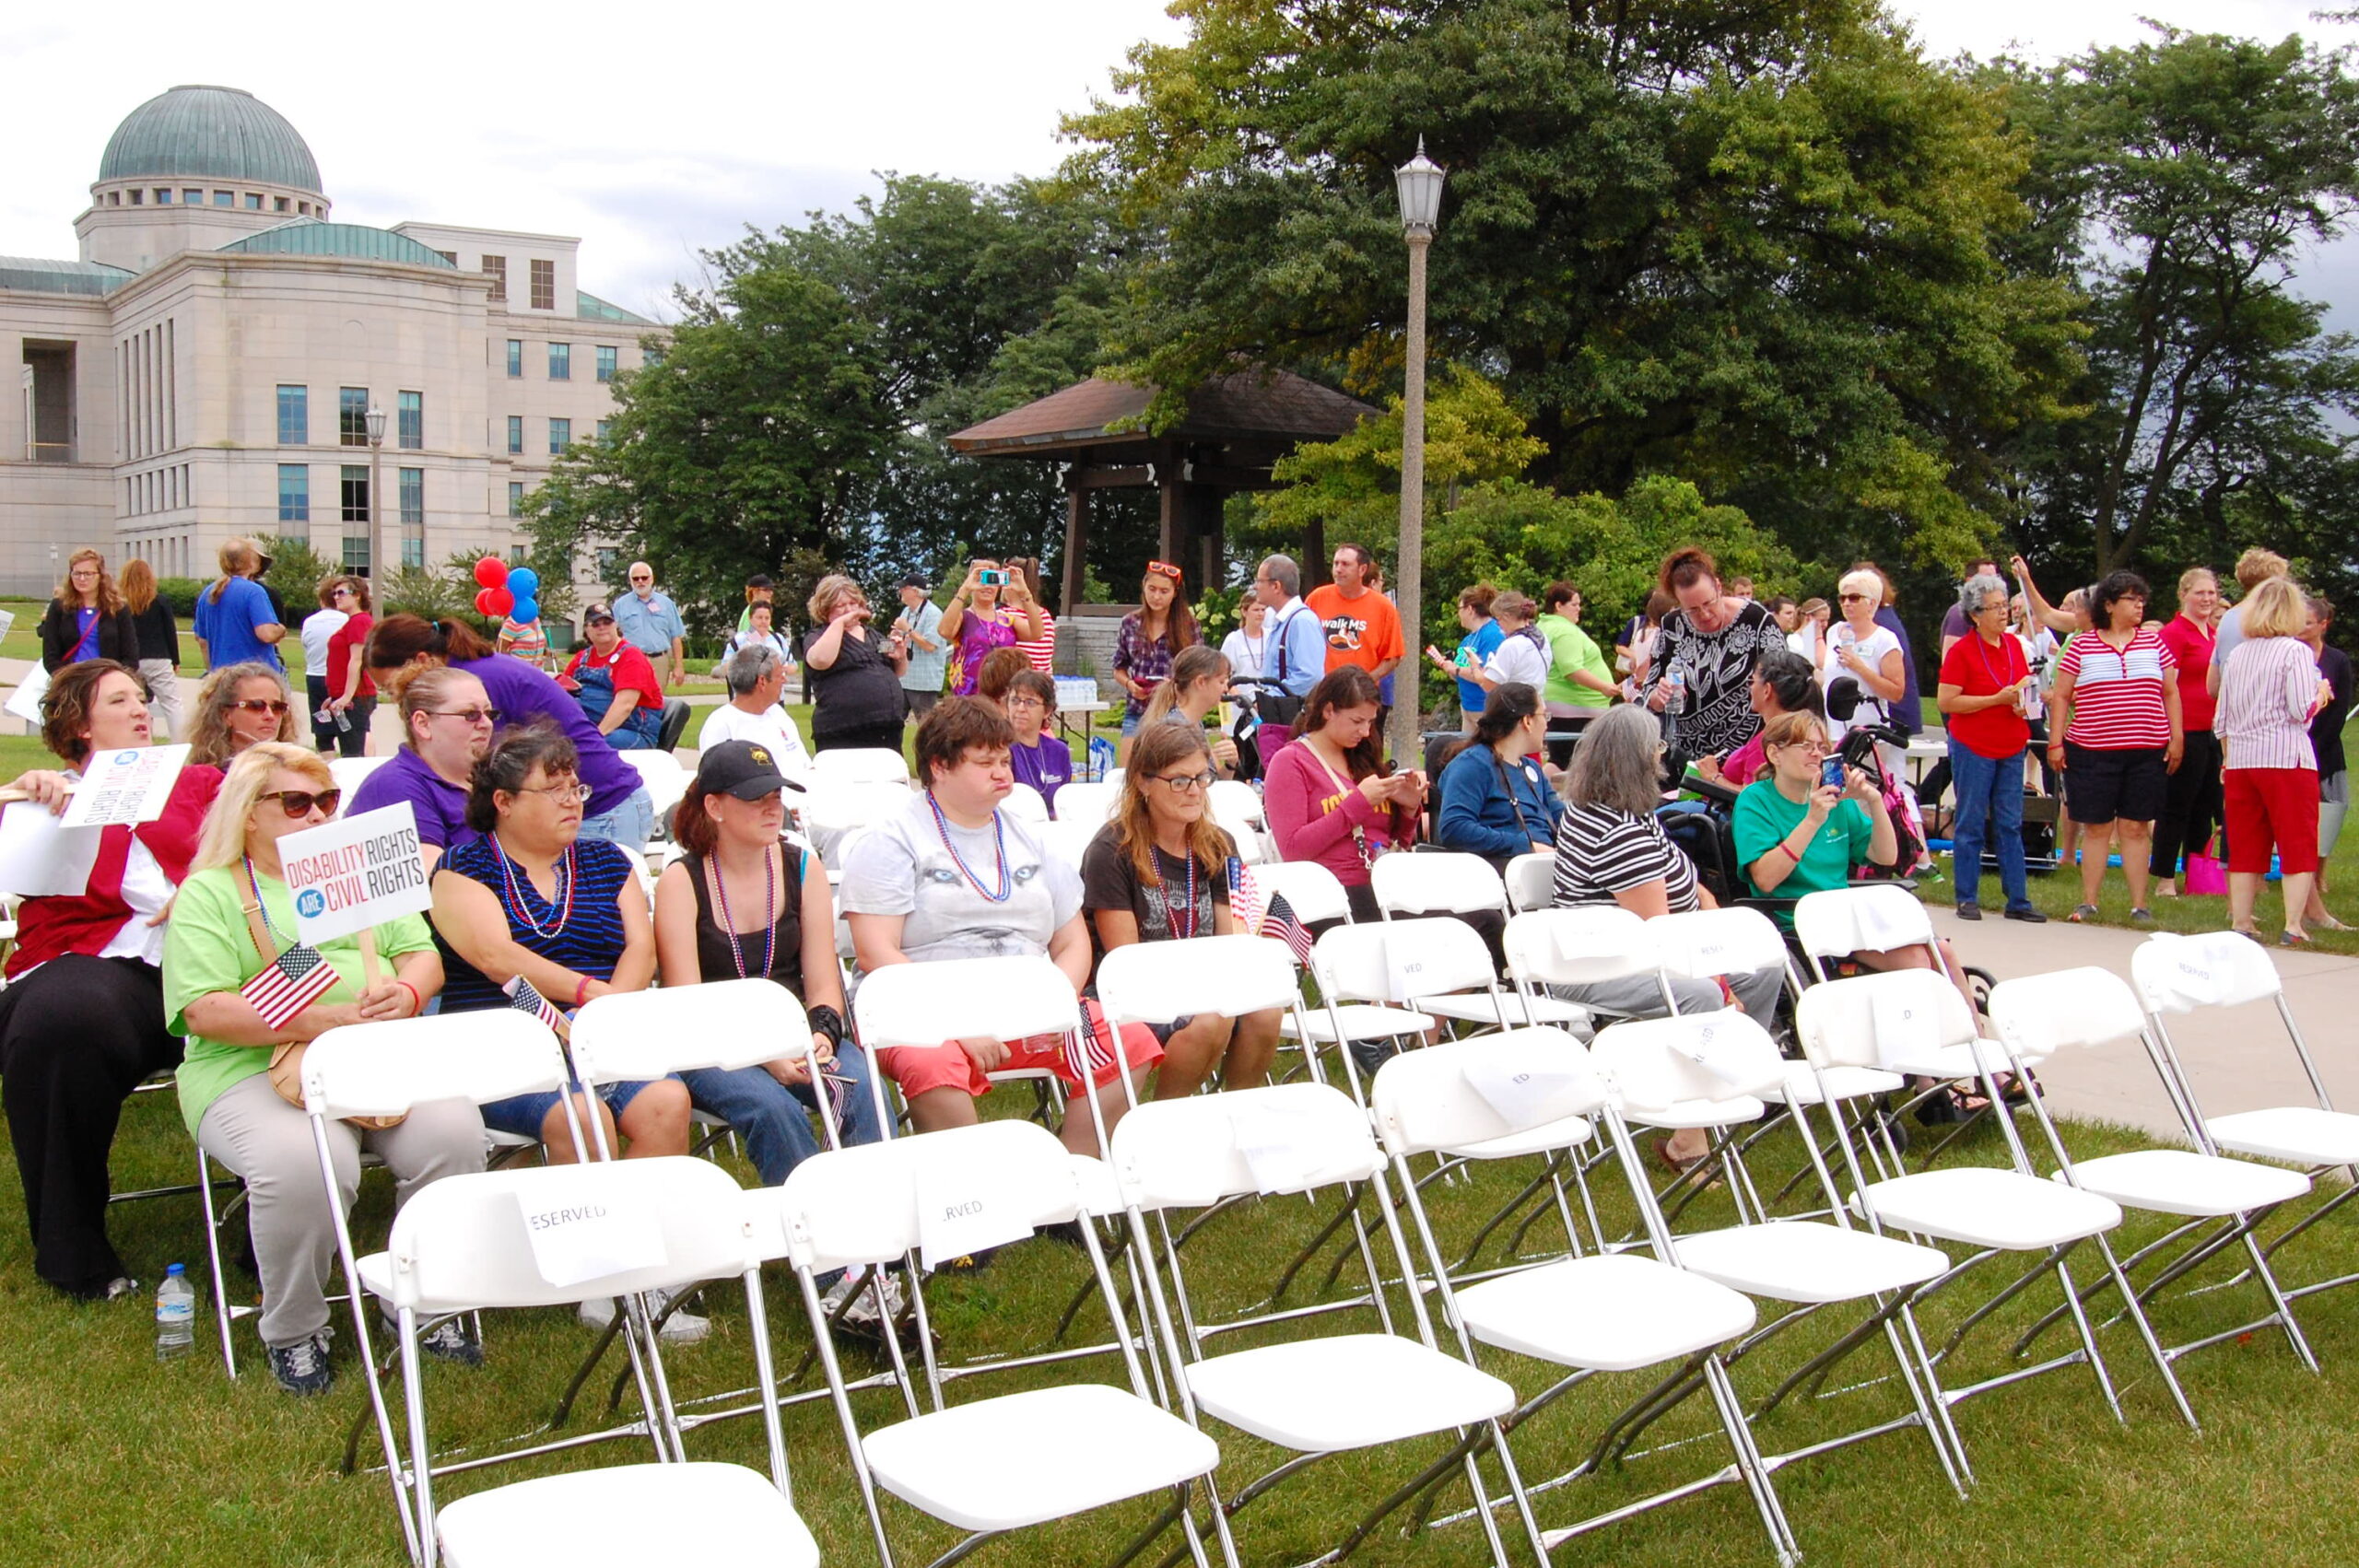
[1309, 889]
[2091, 1007]
[1236, 806]
[1603, 1313]
[831, 810]
[1334, 1394]
[1447, 883]
[1075, 1448]
[1025, 802]
[860, 766]
[1068, 838]
[348, 772]
[1531, 881]
[469, 1241]
[1087, 801]
[666, 779]
[1359, 1002]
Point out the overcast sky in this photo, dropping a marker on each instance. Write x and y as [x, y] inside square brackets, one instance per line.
[652, 133]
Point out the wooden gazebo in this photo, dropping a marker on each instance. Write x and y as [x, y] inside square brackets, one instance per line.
[1236, 426]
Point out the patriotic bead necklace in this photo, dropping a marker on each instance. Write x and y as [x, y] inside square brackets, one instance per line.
[770, 918]
[1170, 910]
[513, 897]
[999, 847]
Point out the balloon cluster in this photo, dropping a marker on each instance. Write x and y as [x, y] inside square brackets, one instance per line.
[501, 590]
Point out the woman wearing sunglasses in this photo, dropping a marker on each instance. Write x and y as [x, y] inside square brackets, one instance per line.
[1158, 871]
[1150, 638]
[237, 706]
[82, 1018]
[233, 917]
[449, 718]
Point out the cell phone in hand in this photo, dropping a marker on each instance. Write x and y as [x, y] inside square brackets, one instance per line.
[1831, 772]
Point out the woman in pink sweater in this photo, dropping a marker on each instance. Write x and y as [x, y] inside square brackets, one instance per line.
[1328, 795]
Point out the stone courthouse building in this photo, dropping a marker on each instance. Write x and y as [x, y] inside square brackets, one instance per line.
[205, 367]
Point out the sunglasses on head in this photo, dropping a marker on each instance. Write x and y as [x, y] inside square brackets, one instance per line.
[297, 803]
[1164, 569]
[271, 706]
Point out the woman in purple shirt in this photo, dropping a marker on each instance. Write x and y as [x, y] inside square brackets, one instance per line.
[620, 808]
[1040, 757]
[449, 718]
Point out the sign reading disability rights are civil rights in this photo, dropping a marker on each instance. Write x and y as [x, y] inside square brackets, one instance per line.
[355, 872]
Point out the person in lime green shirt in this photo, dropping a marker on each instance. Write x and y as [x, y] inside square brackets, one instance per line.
[210, 951]
[1579, 682]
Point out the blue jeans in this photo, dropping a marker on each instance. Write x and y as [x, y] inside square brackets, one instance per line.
[776, 1120]
[631, 824]
[1993, 788]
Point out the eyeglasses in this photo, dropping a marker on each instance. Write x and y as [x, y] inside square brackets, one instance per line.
[559, 793]
[258, 705]
[1184, 783]
[1017, 702]
[472, 715]
[1164, 569]
[339, 593]
[297, 803]
[1808, 748]
[641, 577]
[1854, 598]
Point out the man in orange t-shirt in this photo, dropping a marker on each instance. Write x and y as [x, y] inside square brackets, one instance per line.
[1361, 625]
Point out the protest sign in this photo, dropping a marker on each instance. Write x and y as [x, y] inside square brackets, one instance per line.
[41, 855]
[355, 872]
[126, 788]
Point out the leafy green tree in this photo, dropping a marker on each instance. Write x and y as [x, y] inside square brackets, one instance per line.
[296, 570]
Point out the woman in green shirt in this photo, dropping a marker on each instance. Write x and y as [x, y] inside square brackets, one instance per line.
[210, 951]
[1580, 685]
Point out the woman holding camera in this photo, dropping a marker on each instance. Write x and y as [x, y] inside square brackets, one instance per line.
[977, 621]
[855, 678]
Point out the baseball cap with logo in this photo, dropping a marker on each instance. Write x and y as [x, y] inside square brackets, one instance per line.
[744, 768]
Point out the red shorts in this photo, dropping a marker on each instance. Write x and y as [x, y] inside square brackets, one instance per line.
[947, 1066]
[2272, 805]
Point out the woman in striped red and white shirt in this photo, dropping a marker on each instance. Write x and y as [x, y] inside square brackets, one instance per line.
[2269, 692]
[2116, 736]
[1041, 651]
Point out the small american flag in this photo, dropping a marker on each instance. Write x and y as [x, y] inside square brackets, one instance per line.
[1244, 896]
[1280, 921]
[289, 984]
[524, 998]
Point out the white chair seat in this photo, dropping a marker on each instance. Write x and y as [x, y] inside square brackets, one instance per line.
[1541, 1140]
[1016, 1461]
[1683, 1114]
[1845, 1083]
[1506, 1012]
[637, 1510]
[1361, 1021]
[1614, 1312]
[1803, 1260]
[1947, 1062]
[377, 1274]
[2179, 1181]
[1986, 1206]
[2301, 1135]
[1349, 1391]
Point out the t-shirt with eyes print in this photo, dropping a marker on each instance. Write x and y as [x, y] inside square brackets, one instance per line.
[944, 881]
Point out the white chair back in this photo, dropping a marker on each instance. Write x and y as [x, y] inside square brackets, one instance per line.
[1532, 881]
[1310, 889]
[1087, 801]
[1285, 1138]
[1708, 1057]
[1870, 1019]
[2040, 1015]
[862, 766]
[629, 1036]
[1068, 838]
[1578, 947]
[349, 771]
[1437, 883]
[1398, 960]
[2179, 974]
[1872, 918]
[1235, 804]
[1162, 982]
[384, 1069]
[464, 1242]
[924, 1004]
[860, 1205]
[1466, 1092]
[1703, 943]
[1025, 801]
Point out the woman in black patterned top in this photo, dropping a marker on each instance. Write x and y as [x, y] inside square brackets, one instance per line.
[1702, 671]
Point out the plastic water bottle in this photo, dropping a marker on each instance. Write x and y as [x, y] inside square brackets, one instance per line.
[175, 1314]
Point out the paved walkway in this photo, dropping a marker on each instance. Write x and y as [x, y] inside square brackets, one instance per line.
[2238, 1058]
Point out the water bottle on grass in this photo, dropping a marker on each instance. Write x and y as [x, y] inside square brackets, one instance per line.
[175, 1314]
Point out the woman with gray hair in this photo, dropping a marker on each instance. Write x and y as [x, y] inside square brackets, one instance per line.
[855, 677]
[1609, 850]
[1984, 696]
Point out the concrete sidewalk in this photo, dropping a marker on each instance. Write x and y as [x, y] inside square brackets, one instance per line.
[2238, 1058]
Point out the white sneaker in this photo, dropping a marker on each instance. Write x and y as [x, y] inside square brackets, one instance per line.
[682, 1327]
[862, 1315]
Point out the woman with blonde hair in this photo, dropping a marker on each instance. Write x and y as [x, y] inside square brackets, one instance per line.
[233, 918]
[1039, 648]
[234, 621]
[1199, 676]
[87, 618]
[159, 646]
[854, 676]
[2269, 693]
[237, 706]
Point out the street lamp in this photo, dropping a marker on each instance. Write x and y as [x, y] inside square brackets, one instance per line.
[375, 418]
[1418, 183]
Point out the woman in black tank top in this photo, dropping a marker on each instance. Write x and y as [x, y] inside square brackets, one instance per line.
[744, 903]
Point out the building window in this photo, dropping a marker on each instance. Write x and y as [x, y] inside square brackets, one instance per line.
[414, 554]
[254, 201]
[650, 356]
[608, 356]
[610, 563]
[192, 198]
[450, 256]
[516, 357]
[352, 416]
[603, 425]
[411, 407]
[515, 433]
[278, 203]
[295, 492]
[413, 495]
[560, 361]
[355, 554]
[294, 416]
[496, 269]
[114, 198]
[225, 198]
[355, 493]
[137, 195]
[303, 209]
[560, 436]
[544, 285]
[515, 497]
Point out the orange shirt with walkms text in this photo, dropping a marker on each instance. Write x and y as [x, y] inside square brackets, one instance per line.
[1364, 631]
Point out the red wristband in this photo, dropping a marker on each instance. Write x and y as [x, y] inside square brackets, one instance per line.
[581, 991]
[417, 1002]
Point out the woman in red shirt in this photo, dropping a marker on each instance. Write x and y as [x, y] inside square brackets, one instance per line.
[1985, 684]
[2191, 804]
[2116, 736]
[82, 1021]
[351, 693]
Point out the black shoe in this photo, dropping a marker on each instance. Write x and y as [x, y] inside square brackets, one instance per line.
[1970, 911]
[1065, 1231]
[301, 1367]
[2028, 916]
[452, 1340]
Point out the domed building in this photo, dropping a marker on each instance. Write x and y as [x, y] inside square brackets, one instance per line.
[206, 366]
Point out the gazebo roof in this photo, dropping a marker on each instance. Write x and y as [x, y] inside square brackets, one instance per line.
[1249, 405]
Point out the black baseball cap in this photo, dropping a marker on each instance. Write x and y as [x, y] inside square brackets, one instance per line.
[598, 612]
[914, 580]
[744, 768]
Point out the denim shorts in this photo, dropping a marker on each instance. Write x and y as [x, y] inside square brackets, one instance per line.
[522, 1114]
[1131, 721]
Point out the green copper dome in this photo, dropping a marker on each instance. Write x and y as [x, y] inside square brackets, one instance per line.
[310, 237]
[215, 133]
